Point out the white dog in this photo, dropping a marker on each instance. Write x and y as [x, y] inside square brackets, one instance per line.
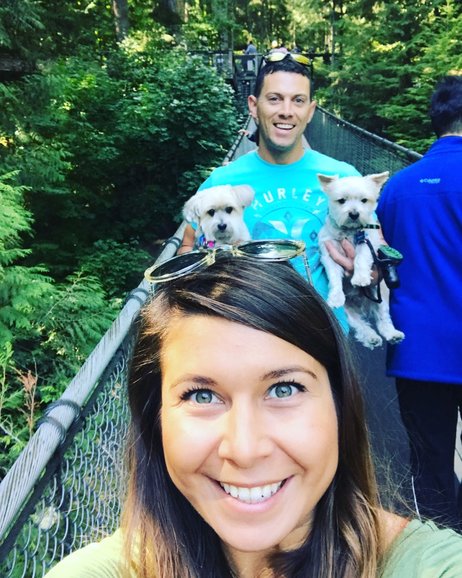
[219, 213]
[352, 202]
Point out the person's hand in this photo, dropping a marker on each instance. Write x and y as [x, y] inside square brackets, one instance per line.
[345, 258]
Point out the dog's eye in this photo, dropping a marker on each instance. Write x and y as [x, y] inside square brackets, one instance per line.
[211, 212]
[341, 201]
[229, 210]
[364, 201]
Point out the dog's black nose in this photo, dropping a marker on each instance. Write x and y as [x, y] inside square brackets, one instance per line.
[353, 215]
[222, 226]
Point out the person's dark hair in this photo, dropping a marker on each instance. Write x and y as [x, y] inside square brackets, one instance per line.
[170, 537]
[285, 65]
[446, 106]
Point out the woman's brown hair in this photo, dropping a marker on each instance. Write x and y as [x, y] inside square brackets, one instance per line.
[165, 536]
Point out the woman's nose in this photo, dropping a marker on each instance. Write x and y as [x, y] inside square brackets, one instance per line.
[245, 438]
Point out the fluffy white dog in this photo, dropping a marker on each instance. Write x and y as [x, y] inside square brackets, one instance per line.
[219, 213]
[352, 202]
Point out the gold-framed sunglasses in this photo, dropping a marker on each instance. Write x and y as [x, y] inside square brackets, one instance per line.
[280, 56]
[271, 251]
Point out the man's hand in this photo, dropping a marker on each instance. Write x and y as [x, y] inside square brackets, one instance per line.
[345, 258]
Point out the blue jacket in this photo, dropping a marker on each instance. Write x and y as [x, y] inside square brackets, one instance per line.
[420, 210]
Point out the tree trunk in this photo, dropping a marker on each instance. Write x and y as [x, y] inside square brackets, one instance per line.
[122, 25]
[169, 12]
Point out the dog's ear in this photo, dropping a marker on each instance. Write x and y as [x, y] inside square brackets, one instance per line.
[191, 208]
[379, 178]
[245, 194]
[326, 180]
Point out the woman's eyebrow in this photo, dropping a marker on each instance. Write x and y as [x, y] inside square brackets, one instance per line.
[193, 379]
[278, 373]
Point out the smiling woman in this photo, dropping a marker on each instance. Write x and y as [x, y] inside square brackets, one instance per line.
[251, 445]
[248, 450]
[250, 375]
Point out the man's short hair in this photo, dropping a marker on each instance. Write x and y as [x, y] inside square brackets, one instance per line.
[285, 65]
[446, 106]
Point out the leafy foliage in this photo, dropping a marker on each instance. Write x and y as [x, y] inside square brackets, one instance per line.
[99, 148]
[19, 19]
[20, 286]
[118, 266]
[46, 329]
[391, 56]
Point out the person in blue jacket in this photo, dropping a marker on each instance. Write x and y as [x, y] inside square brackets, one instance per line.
[420, 210]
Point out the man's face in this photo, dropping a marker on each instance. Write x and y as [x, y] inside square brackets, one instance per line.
[282, 112]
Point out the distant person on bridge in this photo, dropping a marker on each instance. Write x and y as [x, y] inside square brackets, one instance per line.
[421, 214]
[251, 48]
[288, 202]
[248, 449]
[251, 60]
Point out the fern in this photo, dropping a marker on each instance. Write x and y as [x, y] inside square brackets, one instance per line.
[72, 320]
[14, 218]
[20, 287]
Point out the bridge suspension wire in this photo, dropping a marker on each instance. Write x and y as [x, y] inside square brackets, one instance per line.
[66, 487]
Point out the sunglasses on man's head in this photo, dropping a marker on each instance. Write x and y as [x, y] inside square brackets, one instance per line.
[269, 251]
[280, 56]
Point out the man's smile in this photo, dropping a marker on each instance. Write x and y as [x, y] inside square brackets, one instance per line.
[284, 126]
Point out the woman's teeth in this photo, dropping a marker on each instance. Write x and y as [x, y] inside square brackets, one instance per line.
[252, 495]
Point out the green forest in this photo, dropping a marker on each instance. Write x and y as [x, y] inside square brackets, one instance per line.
[110, 118]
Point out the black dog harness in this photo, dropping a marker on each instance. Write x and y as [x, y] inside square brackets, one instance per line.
[361, 237]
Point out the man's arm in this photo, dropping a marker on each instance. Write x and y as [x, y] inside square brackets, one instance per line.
[187, 243]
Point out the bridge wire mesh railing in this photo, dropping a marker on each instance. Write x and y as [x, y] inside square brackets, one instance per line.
[344, 141]
[66, 488]
[78, 499]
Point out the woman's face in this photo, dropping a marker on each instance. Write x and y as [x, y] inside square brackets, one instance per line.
[249, 430]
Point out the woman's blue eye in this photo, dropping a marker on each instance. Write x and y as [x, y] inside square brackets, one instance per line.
[283, 390]
[202, 396]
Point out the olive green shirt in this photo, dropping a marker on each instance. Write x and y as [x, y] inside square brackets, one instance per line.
[420, 551]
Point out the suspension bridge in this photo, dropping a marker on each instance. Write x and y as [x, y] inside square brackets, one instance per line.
[67, 486]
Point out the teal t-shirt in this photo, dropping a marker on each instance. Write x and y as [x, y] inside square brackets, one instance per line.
[288, 203]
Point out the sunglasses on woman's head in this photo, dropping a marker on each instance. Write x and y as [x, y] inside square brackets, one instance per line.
[280, 56]
[269, 251]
